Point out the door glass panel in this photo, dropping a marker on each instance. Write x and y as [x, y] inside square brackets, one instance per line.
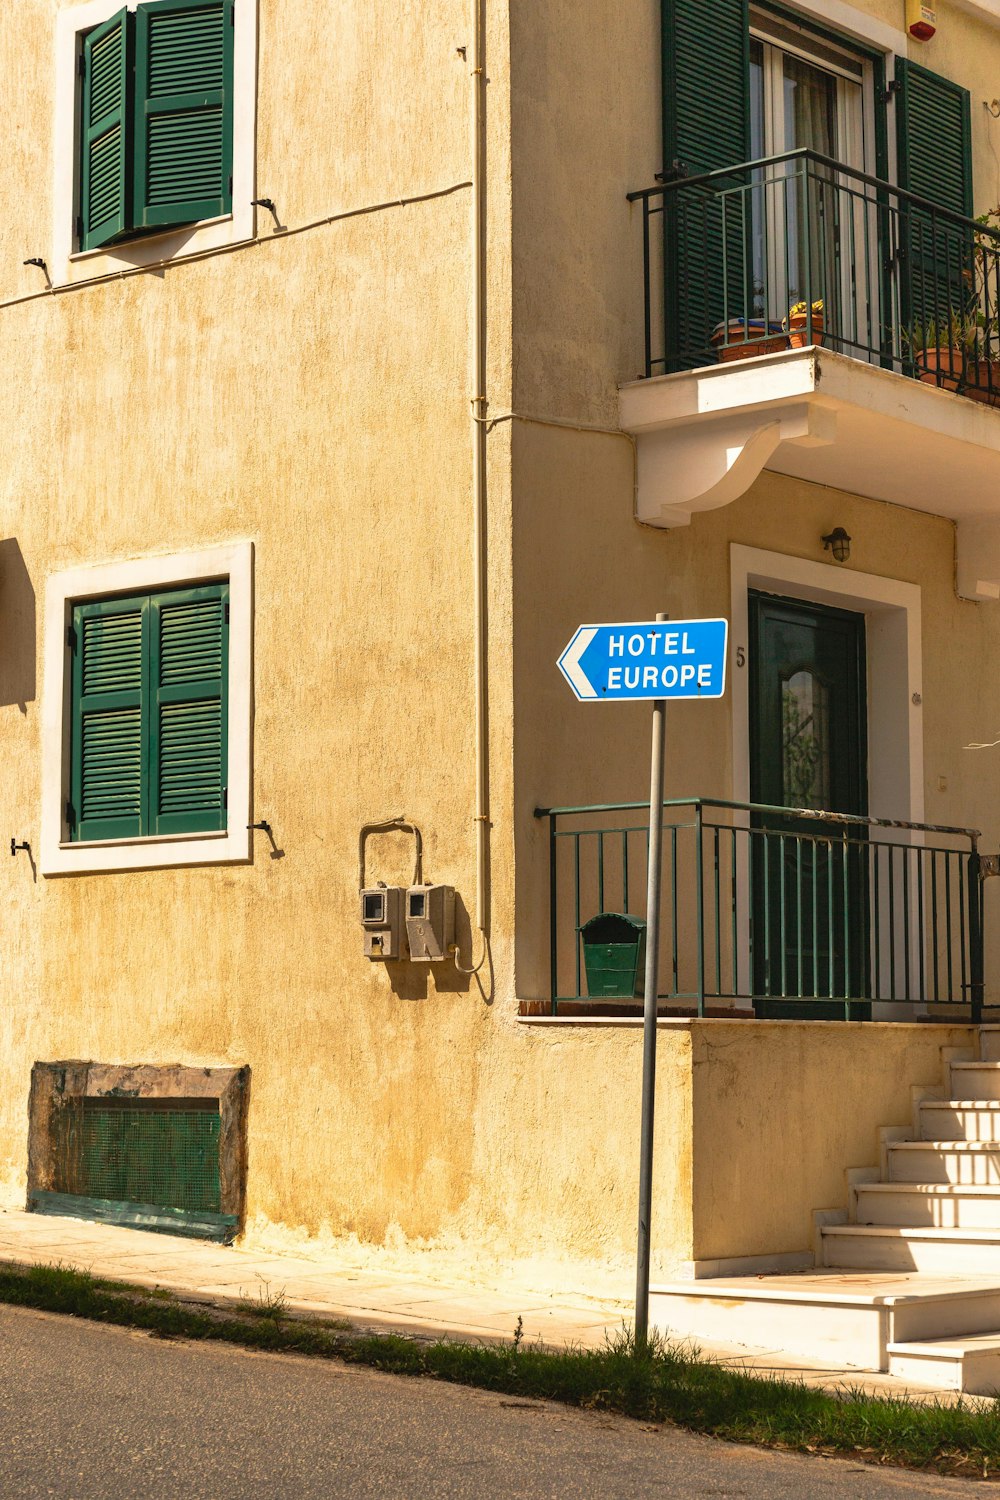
[805, 748]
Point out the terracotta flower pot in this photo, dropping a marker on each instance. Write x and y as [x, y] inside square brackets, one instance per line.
[744, 338]
[799, 336]
[984, 381]
[941, 367]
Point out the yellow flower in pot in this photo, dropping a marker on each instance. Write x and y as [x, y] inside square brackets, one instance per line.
[805, 324]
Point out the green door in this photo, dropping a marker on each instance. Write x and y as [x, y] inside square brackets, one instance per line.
[809, 924]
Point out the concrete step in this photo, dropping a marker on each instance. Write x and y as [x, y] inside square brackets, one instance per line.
[938, 1205]
[989, 1043]
[843, 1317]
[975, 1080]
[970, 1162]
[965, 1364]
[960, 1120]
[933, 1251]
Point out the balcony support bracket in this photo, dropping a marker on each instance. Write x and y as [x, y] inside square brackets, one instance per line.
[691, 467]
[704, 436]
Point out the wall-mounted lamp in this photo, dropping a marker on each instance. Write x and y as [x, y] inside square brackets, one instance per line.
[839, 543]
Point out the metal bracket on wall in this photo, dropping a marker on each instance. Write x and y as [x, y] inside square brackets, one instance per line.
[989, 864]
[15, 846]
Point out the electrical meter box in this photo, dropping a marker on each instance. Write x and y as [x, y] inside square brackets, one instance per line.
[382, 920]
[430, 922]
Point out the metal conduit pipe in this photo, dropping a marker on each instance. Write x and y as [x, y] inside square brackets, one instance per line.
[479, 436]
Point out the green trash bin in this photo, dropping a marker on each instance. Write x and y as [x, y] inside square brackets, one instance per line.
[614, 948]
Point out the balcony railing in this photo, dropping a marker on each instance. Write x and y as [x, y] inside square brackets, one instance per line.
[882, 275]
[793, 912]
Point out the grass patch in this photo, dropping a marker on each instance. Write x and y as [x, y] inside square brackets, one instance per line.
[663, 1382]
[266, 1304]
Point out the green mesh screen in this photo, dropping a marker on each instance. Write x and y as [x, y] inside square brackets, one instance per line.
[156, 1151]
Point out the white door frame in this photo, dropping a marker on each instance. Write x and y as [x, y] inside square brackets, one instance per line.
[894, 670]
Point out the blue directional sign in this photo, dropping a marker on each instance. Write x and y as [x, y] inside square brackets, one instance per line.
[647, 659]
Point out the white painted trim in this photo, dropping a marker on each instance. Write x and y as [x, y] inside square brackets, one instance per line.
[895, 722]
[66, 263]
[837, 15]
[892, 612]
[58, 857]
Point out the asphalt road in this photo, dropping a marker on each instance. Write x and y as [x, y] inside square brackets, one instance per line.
[95, 1413]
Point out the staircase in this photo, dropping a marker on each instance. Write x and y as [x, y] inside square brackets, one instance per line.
[911, 1283]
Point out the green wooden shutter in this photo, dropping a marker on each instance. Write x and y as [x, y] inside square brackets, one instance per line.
[706, 125]
[183, 111]
[933, 135]
[189, 639]
[109, 689]
[105, 133]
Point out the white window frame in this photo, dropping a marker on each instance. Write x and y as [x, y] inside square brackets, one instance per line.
[58, 854]
[854, 147]
[68, 263]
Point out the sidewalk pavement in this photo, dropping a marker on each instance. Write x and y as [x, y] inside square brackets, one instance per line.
[383, 1301]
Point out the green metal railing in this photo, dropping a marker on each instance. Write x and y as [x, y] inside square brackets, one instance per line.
[795, 911]
[885, 276]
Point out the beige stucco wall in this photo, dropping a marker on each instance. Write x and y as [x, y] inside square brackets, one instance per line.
[781, 1111]
[311, 394]
[611, 568]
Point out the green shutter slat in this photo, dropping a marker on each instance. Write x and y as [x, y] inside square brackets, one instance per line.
[149, 714]
[183, 88]
[105, 134]
[108, 694]
[188, 761]
[933, 136]
[706, 126]
[191, 773]
[933, 128]
[112, 652]
[112, 765]
[186, 52]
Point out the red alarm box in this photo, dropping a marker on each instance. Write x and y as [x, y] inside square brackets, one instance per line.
[921, 20]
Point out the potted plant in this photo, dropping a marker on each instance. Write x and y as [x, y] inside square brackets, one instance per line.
[744, 338]
[943, 350]
[805, 324]
[983, 374]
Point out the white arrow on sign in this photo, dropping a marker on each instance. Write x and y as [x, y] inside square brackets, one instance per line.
[570, 662]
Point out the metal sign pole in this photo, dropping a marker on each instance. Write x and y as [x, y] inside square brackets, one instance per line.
[649, 1018]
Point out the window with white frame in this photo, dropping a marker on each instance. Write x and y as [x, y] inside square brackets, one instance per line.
[154, 130]
[146, 713]
[812, 93]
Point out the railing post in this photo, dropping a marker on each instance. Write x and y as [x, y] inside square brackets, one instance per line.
[700, 904]
[976, 962]
[648, 290]
[553, 918]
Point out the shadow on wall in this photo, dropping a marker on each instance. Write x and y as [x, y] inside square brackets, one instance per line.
[17, 629]
[410, 981]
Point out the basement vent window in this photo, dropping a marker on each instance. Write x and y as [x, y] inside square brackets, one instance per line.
[154, 1148]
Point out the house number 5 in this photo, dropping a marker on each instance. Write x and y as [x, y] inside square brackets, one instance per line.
[741, 657]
